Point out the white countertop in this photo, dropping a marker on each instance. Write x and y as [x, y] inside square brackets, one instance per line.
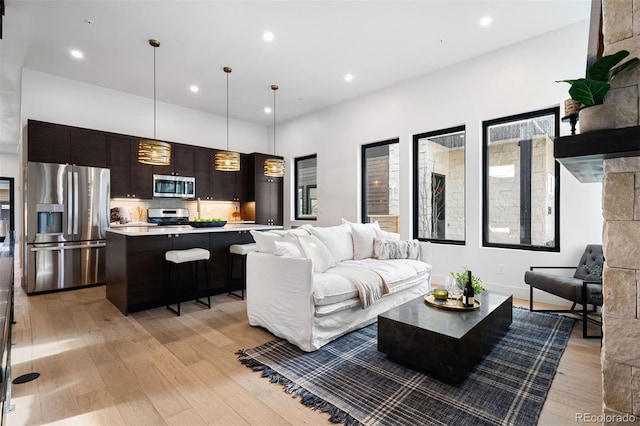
[135, 231]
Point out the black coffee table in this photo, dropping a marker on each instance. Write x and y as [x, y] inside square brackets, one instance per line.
[443, 343]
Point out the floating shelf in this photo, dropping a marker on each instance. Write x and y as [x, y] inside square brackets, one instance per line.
[584, 154]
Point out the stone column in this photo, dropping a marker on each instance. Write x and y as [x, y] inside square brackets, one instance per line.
[620, 354]
[621, 287]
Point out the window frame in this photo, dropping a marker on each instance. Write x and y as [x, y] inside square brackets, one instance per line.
[363, 176]
[485, 181]
[416, 189]
[296, 186]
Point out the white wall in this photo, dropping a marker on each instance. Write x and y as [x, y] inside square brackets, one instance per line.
[55, 99]
[513, 80]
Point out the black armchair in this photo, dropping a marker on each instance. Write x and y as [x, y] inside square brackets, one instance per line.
[584, 288]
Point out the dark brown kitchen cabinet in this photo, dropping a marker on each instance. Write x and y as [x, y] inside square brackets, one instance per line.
[137, 271]
[203, 168]
[234, 186]
[182, 162]
[57, 143]
[268, 194]
[88, 148]
[48, 142]
[129, 179]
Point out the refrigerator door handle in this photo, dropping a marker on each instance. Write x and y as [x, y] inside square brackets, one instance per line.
[80, 246]
[75, 203]
[69, 204]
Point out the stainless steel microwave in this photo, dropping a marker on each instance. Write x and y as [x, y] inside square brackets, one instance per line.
[174, 186]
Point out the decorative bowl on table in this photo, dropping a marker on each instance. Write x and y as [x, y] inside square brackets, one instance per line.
[440, 294]
[204, 223]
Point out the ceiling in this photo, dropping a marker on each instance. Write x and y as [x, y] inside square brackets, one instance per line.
[315, 44]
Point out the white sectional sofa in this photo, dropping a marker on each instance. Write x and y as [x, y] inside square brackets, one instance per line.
[311, 285]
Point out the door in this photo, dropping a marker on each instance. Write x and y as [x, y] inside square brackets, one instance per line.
[64, 265]
[7, 201]
[49, 217]
[90, 202]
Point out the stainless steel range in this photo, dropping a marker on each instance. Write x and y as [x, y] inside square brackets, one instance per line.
[168, 216]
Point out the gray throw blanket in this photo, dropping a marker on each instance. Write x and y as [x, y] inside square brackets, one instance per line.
[370, 284]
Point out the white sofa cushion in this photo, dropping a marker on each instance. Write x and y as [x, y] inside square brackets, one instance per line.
[315, 250]
[265, 240]
[385, 235]
[331, 288]
[392, 271]
[337, 239]
[287, 248]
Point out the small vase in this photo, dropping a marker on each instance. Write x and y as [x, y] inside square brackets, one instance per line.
[597, 117]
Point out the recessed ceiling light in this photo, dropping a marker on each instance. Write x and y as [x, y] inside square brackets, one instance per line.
[348, 77]
[267, 110]
[268, 36]
[194, 89]
[77, 54]
[486, 21]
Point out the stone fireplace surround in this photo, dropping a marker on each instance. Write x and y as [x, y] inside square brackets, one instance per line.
[620, 355]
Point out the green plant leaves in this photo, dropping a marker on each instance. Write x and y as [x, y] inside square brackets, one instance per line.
[601, 68]
[589, 92]
[592, 90]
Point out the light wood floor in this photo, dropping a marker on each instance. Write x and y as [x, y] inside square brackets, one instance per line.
[99, 367]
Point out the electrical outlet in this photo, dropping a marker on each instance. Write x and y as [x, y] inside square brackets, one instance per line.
[500, 268]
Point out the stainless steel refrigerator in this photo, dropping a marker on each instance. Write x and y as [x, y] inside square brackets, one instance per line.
[66, 214]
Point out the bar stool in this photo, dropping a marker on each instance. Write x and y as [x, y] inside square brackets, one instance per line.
[193, 256]
[241, 250]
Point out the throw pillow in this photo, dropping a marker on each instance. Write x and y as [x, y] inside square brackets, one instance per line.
[287, 249]
[385, 249]
[385, 235]
[374, 225]
[337, 239]
[315, 250]
[362, 235]
[265, 240]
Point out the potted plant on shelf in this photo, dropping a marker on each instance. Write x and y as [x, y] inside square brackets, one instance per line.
[590, 92]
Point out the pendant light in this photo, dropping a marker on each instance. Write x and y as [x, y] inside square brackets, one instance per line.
[274, 167]
[227, 161]
[151, 151]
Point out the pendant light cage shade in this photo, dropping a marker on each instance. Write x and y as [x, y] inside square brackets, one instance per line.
[227, 161]
[154, 152]
[274, 167]
[151, 151]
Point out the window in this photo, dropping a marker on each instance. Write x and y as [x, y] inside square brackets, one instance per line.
[439, 186]
[380, 184]
[521, 182]
[306, 187]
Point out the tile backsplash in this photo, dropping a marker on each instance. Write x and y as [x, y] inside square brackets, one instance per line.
[208, 209]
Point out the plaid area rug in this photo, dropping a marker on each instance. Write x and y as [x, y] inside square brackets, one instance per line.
[356, 384]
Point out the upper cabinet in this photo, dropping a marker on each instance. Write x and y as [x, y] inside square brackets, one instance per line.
[203, 165]
[234, 186]
[182, 162]
[212, 184]
[129, 179]
[268, 194]
[56, 143]
[88, 148]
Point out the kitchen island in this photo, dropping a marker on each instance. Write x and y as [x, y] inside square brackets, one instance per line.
[135, 265]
